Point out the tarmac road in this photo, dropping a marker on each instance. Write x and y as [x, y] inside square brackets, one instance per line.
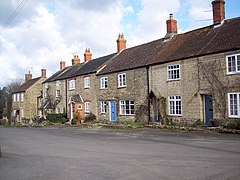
[74, 153]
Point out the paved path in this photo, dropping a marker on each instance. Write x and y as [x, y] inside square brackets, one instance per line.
[72, 153]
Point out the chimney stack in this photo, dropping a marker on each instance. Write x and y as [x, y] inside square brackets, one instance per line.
[44, 73]
[171, 26]
[121, 43]
[87, 55]
[75, 60]
[62, 64]
[28, 76]
[218, 8]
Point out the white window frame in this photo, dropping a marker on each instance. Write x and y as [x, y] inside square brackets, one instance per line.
[237, 104]
[72, 84]
[22, 113]
[18, 97]
[58, 93]
[122, 80]
[126, 107]
[173, 105]
[87, 107]
[103, 107]
[22, 97]
[14, 97]
[87, 82]
[173, 72]
[46, 85]
[236, 60]
[58, 83]
[104, 82]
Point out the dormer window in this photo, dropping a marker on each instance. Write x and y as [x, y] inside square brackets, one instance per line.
[72, 84]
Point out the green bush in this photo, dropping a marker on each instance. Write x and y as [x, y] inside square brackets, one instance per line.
[233, 124]
[74, 121]
[197, 123]
[56, 118]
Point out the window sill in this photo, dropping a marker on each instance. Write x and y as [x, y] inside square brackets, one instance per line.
[121, 87]
[175, 115]
[234, 117]
[71, 89]
[232, 73]
[103, 88]
[126, 114]
[86, 87]
[170, 80]
[102, 113]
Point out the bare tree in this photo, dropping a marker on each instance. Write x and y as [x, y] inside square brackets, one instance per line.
[213, 80]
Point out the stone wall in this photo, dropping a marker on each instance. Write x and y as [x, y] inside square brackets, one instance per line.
[136, 90]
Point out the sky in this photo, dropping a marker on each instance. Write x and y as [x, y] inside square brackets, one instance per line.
[45, 32]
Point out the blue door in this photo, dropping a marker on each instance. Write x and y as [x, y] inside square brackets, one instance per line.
[208, 110]
[112, 111]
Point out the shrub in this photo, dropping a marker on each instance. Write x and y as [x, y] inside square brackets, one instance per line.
[56, 118]
[90, 117]
[74, 121]
[197, 123]
[233, 124]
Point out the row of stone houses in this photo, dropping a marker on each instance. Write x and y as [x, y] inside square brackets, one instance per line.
[186, 77]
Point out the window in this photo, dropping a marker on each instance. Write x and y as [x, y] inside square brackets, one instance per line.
[104, 82]
[234, 105]
[79, 106]
[122, 80]
[57, 110]
[22, 113]
[22, 97]
[175, 105]
[87, 82]
[18, 97]
[103, 107]
[14, 97]
[87, 107]
[58, 83]
[72, 84]
[46, 85]
[127, 107]
[45, 94]
[233, 64]
[57, 93]
[174, 72]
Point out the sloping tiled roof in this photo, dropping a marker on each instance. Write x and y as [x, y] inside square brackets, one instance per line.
[93, 65]
[200, 42]
[64, 73]
[26, 85]
[135, 57]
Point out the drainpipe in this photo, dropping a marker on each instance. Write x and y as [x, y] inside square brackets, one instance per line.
[66, 108]
[148, 88]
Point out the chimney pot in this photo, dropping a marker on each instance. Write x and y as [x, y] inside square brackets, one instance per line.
[75, 60]
[87, 55]
[28, 76]
[218, 8]
[62, 64]
[121, 42]
[44, 73]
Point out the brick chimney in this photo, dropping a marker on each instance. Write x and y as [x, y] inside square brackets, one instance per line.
[43, 73]
[75, 60]
[121, 43]
[28, 76]
[62, 64]
[171, 26]
[87, 55]
[218, 8]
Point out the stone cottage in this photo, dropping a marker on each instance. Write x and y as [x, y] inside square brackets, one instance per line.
[25, 98]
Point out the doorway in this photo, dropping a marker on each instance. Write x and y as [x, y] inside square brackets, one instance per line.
[208, 109]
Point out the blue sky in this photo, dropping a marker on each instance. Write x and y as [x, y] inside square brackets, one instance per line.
[46, 32]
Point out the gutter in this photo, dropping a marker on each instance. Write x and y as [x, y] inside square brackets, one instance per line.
[148, 99]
